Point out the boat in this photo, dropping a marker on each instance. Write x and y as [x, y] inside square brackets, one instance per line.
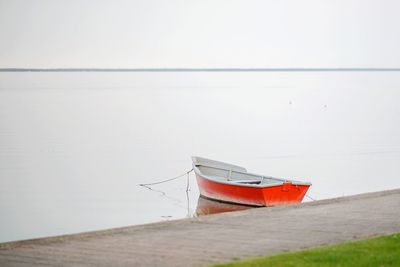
[233, 184]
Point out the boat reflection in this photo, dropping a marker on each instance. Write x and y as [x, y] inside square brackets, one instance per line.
[207, 206]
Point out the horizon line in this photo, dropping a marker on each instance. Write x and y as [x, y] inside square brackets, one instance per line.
[297, 69]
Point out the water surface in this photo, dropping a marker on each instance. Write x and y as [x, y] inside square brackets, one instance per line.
[75, 146]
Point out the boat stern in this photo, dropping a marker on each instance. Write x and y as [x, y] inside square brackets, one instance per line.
[287, 193]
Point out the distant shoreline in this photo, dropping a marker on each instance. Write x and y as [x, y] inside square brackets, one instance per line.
[199, 69]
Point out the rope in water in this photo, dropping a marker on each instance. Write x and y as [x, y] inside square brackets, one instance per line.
[170, 179]
[313, 199]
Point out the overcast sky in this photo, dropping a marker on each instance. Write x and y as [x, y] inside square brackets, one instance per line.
[156, 33]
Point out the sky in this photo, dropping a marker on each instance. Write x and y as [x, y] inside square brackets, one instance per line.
[201, 34]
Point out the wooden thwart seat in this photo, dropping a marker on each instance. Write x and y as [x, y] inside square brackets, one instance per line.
[246, 181]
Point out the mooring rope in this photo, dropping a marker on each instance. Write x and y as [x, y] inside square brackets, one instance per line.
[187, 184]
[170, 179]
[313, 199]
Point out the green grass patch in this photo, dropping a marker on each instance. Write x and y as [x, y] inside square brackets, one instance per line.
[381, 251]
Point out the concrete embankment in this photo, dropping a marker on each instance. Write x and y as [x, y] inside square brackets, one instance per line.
[206, 240]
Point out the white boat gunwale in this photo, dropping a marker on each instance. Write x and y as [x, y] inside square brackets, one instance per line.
[197, 164]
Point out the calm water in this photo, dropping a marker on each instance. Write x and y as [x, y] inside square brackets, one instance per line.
[75, 146]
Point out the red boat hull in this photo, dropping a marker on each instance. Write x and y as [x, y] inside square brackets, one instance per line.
[286, 193]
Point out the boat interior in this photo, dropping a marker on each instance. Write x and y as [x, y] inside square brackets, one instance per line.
[225, 172]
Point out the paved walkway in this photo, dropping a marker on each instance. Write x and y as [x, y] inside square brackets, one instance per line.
[217, 238]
